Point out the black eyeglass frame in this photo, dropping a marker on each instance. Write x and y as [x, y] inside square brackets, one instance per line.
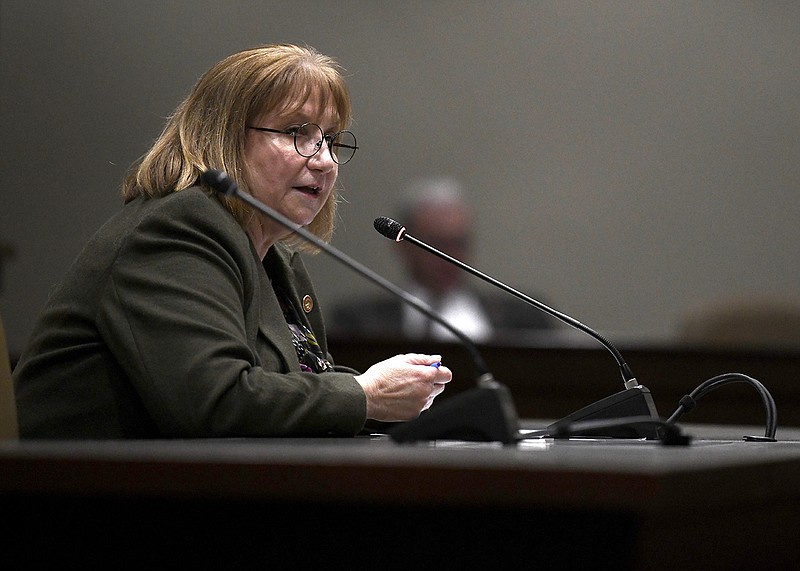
[327, 138]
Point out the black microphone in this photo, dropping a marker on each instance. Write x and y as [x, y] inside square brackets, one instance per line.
[634, 401]
[485, 413]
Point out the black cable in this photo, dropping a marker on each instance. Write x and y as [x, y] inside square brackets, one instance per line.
[669, 433]
[688, 402]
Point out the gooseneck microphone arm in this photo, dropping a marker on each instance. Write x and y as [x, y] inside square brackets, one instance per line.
[221, 182]
[397, 232]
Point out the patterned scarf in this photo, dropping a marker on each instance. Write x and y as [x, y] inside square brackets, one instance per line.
[309, 353]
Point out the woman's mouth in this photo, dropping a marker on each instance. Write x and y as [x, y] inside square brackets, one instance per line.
[313, 190]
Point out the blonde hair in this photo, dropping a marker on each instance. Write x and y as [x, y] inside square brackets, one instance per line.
[207, 130]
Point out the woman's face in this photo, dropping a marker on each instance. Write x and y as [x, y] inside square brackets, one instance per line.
[277, 175]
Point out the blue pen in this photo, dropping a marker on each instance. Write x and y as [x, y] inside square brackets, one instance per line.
[437, 364]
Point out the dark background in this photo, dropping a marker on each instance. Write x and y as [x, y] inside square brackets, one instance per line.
[631, 160]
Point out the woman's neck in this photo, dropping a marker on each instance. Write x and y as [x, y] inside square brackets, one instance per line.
[261, 239]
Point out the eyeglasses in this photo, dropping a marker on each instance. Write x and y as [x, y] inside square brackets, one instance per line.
[308, 139]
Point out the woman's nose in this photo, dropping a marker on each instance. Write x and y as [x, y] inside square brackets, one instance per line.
[322, 159]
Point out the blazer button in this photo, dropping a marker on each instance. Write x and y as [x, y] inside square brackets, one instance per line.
[308, 303]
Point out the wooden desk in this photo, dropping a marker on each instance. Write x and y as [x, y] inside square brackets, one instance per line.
[368, 503]
[551, 380]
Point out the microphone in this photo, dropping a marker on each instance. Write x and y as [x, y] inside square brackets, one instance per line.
[485, 413]
[634, 401]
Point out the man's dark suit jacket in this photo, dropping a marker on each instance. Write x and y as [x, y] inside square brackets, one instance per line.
[512, 320]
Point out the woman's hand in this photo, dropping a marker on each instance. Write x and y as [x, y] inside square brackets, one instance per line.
[402, 387]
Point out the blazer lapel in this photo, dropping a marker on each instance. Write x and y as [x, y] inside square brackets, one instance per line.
[272, 327]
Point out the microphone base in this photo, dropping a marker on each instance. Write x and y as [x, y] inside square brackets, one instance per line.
[633, 402]
[482, 414]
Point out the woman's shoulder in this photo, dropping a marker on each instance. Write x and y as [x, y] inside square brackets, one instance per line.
[192, 215]
[192, 200]
[193, 206]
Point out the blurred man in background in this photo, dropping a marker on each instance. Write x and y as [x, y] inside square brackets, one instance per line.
[436, 211]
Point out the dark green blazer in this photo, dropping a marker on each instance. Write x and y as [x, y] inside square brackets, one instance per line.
[167, 325]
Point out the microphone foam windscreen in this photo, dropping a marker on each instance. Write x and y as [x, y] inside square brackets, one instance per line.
[388, 227]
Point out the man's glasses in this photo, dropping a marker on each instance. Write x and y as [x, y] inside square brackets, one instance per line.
[308, 140]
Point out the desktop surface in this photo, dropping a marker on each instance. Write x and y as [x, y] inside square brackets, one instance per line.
[630, 503]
